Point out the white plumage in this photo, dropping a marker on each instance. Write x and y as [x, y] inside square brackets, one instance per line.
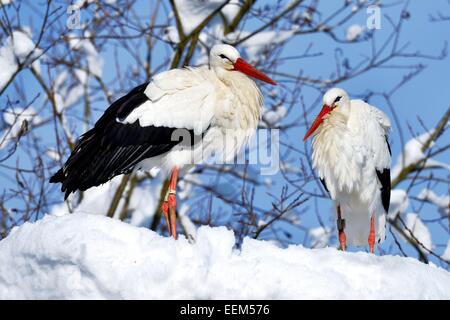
[224, 106]
[181, 118]
[350, 152]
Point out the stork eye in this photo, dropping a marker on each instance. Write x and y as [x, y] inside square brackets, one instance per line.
[224, 57]
[337, 99]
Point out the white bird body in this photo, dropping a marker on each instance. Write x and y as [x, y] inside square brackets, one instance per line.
[181, 118]
[350, 151]
[196, 99]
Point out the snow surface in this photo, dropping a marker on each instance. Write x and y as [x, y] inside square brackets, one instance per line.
[91, 256]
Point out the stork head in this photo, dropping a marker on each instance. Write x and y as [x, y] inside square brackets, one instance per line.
[333, 98]
[225, 58]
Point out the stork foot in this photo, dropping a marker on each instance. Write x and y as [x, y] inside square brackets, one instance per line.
[371, 238]
[341, 227]
[169, 209]
[342, 241]
[169, 206]
[165, 211]
[172, 213]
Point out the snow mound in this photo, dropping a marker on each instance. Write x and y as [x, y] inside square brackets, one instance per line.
[91, 256]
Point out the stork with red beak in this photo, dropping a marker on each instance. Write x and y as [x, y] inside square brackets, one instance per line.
[352, 157]
[171, 122]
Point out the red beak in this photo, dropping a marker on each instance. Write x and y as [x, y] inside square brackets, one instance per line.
[244, 67]
[319, 119]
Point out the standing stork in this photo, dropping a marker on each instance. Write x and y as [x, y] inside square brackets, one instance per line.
[150, 125]
[352, 157]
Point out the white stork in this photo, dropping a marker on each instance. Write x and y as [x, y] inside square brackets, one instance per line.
[352, 157]
[149, 127]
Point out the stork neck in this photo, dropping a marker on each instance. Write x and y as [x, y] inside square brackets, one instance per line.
[245, 95]
[226, 76]
[344, 111]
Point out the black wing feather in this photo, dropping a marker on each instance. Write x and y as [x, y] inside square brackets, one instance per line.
[385, 179]
[112, 148]
[388, 145]
[324, 185]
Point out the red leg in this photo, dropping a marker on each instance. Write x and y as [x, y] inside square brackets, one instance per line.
[170, 204]
[165, 211]
[341, 227]
[372, 235]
